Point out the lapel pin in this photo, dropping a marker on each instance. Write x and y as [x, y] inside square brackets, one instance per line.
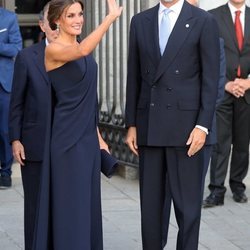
[187, 25]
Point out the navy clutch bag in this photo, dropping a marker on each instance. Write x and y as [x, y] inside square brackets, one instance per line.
[108, 163]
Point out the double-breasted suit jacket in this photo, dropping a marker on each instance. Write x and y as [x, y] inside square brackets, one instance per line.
[167, 96]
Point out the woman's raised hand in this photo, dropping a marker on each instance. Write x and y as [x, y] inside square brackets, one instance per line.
[114, 9]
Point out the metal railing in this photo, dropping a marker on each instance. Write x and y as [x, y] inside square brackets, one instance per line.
[111, 56]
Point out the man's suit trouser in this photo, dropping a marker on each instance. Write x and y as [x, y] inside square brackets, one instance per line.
[6, 157]
[166, 174]
[31, 181]
[233, 131]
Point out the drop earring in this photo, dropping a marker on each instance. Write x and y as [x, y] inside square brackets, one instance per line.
[58, 28]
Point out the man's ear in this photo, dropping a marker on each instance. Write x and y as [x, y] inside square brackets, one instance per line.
[41, 24]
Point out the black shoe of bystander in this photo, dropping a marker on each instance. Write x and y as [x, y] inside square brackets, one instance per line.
[5, 182]
[213, 200]
[239, 197]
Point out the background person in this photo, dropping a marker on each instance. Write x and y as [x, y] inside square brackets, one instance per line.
[233, 114]
[27, 120]
[10, 44]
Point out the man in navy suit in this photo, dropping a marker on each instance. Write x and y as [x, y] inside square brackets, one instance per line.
[27, 120]
[170, 104]
[10, 44]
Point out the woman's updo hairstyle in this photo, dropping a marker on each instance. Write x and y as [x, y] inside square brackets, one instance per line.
[56, 9]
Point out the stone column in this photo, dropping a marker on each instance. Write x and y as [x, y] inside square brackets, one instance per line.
[10, 4]
[147, 4]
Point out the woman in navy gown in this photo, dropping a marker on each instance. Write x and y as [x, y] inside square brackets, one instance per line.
[69, 216]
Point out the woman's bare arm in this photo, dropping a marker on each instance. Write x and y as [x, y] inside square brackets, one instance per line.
[58, 54]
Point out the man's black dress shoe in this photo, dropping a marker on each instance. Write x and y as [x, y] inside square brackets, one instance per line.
[213, 200]
[239, 197]
[5, 182]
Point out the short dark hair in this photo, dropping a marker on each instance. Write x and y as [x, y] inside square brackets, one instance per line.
[56, 9]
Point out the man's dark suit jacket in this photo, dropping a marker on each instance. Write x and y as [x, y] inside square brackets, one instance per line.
[234, 57]
[167, 96]
[28, 106]
[221, 90]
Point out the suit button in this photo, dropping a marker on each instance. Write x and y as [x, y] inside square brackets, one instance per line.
[152, 104]
[169, 106]
[153, 87]
[147, 71]
[169, 89]
[177, 72]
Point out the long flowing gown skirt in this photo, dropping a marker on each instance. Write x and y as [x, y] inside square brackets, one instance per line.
[69, 216]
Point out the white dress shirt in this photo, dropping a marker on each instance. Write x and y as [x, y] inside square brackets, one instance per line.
[173, 15]
[242, 14]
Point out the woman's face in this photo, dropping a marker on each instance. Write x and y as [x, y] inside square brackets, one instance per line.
[71, 20]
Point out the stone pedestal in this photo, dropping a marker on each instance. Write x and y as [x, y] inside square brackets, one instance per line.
[127, 172]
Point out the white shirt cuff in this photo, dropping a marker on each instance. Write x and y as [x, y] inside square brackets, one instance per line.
[202, 128]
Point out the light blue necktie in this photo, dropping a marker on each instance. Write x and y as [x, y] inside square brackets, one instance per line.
[164, 30]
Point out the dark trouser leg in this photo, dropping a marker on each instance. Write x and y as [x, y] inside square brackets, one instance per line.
[186, 178]
[152, 191]
[207, 157]
[6, 157]
[240, 150]
[166, 211]
[31, 181]
[221, 150]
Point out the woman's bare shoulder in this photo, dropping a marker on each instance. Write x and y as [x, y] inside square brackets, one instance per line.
[52, 55]
[54, 47]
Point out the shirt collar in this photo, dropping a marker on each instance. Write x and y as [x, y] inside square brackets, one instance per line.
[176, 8]
[46, 41]
[233, 9]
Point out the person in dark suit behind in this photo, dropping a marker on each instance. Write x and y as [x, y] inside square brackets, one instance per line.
[233, 114]
[221, 90]
[170, 104]
[10, 44]
[27, 120]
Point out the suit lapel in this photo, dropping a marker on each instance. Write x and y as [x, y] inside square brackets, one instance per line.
[39, 60]
[182, 28]
[151, 35]
[229, 24]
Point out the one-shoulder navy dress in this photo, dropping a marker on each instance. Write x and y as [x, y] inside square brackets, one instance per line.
[69, 216]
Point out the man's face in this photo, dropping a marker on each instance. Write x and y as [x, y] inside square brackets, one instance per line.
[169, 3]
[193, 2]
[237, 3]
[50, 34]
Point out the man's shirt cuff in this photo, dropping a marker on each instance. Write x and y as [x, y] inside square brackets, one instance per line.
[202, 128]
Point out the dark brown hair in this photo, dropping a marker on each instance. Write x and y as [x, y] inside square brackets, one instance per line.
[56, 9]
